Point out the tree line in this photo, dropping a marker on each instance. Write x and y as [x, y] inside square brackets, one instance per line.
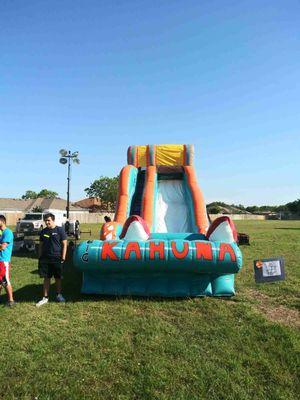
[291, 207]
[106, 189]
[48, 194]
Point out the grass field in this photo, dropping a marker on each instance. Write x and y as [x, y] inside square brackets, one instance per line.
[131, 348]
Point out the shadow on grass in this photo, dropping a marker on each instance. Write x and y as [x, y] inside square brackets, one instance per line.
[25, 254]
[72, 292]
[35, 272]
[290, 229]
[33, 292]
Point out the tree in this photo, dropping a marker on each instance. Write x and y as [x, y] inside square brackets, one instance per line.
[37, 209]
[106, 189]
[214, 209]
[252, 209]
[282, 208]
[29, 194]
[48, 194]
[294, 207]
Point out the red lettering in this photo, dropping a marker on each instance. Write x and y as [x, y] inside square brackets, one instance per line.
[204, 250]
[132, 247]
[226, 248]
[157, 248]
[107, 251]
[180, 254]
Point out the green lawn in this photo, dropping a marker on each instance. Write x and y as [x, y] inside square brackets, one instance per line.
[131, 348]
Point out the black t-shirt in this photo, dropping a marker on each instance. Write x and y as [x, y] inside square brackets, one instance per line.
[51, 240]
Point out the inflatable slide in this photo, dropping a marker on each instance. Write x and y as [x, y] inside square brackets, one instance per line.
[160, 242]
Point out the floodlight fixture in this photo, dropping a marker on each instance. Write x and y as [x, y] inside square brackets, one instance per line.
[66, 157]
[63, 152]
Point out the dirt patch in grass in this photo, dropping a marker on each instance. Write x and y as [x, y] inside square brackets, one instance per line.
[278, 313]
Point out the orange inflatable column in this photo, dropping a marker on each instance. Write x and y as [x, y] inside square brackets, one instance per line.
[148, 196]
[200, 213]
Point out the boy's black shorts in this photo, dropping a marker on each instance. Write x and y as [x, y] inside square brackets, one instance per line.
[51, 268]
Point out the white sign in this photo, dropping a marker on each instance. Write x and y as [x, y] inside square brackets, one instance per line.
[271, 268]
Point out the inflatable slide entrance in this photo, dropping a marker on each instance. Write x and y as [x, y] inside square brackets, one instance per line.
[160, 242]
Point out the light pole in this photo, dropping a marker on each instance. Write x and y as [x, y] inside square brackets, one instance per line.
[66, 157]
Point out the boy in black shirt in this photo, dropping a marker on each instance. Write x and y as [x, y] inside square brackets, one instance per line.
[52, 254]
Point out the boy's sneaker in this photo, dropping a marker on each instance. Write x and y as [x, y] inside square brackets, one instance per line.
[42, 302]
[60, 298]
[11, 303]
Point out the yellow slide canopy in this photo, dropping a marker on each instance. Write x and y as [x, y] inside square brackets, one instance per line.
[163, 154]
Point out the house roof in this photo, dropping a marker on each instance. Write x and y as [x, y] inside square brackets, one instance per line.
[57, 203]
[14, 204]
[89, 202]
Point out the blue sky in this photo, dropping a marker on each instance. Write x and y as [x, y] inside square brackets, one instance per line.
[98, 76]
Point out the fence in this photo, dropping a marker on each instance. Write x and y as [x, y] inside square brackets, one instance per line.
[239, 216]
[90, 218]
[12, 216]
[83, 217]
[98, 218]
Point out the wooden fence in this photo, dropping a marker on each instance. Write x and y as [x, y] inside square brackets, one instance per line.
[83, 217]
[98, 218]
[236, 217]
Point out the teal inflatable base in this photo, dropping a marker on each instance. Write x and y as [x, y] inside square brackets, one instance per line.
[160, 284]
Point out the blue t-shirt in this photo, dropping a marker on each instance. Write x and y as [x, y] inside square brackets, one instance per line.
[6, 237]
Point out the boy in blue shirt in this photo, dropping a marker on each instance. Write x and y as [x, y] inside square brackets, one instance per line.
[6, 246]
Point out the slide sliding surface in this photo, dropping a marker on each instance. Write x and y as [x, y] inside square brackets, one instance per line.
[131, 189]
[169, 202]
[172, 209]
[136, 203]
